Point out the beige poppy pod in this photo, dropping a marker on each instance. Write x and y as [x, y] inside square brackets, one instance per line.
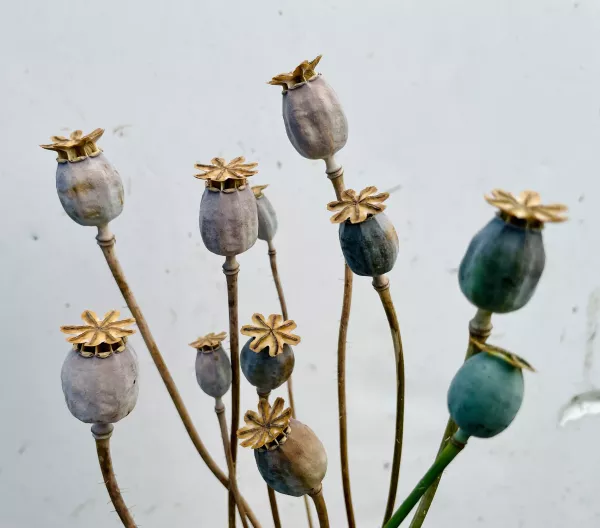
[228, 211]
[89, 187]
[100, 373]
[314, 120]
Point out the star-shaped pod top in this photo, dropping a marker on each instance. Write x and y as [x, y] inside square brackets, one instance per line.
[265, 426]
[219, 172]
[505, 355]
[303, 72]
[272, 332]
[357, 208]
[99, 337]
[258, 190]
[209, 341]
[526, 207]
[77, 147]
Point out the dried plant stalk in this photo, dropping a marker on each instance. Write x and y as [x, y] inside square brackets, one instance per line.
[480, 329]
[382, 285]
[106, 241]
[274, 508]
[321, 507]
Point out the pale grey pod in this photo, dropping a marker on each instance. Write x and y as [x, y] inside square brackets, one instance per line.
[213, 372]
[314, 119]
[100, 390]
[228, 220]
[267, 219]
[90, 190]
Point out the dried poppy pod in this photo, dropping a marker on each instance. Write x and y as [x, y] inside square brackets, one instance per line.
[89, 187]
[267, 219]
[505, 260]
[314, 119]
[228, 214]
[267, 358]
[213, 369]
[289, 456]
[369, 240]
[100, 373]
[487, 391]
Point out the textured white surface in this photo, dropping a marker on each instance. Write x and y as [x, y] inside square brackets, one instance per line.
[445, 99]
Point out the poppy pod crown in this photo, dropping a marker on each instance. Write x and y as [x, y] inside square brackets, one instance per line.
[77, 147]
[209, 342]
[227, 177]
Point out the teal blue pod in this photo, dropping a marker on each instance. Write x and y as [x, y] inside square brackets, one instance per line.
[485, 395]
[503, 265]
[265, 372]
[370, 247]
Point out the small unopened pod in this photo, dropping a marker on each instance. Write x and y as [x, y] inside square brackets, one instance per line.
[289, 456]
[487, 391]
[267, 359]
[368, 238]
[312, 113]
[505, 260]
[100, 373]
[213, 369]
[267, 219]
[228, 213]
[89, 187]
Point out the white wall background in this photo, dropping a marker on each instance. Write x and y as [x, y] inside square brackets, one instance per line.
[446, 99]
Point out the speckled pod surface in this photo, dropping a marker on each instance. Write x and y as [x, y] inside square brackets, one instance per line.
[502, 266]
[100, 390]
[90, 190]
[314, 120]
[370, 247]
[296, 467]
[228, 221]
[267, 219]
[267, 373]
[213, 372]
[485, 395]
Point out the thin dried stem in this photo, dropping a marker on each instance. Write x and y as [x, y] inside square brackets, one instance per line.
[284, 312]
[274, 508]
[382, 285]
[231, 269]
[220, 411]
[106, 466]
[321, 507]
[106, 241]
[480, 328]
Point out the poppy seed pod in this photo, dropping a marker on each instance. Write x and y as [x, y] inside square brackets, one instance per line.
[213, 369]
[267, 219]
[89, 187]
[289, 456]
[99, 375]
[228, 212]
[505, 260]
[314, 119]
[267, 359]
[368, 238]
[486, 392]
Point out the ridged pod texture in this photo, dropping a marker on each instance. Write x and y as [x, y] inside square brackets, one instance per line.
[314, 119]
[100, 390]
[264, 372]
[228, 221]
[213, 372]
[267, 219]
[502, 266]
[298, 466]
[90, 190]
[370, 247]
[485, 395]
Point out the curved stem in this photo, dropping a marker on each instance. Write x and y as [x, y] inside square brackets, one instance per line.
[480, 327]
[448, 454]
[284, 313]
[220, 412]
[106, 466]
[106, 241]
[321, 507]
[231, 269]
[382, 285]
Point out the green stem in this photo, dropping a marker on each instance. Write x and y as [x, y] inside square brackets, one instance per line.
[447, 455]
